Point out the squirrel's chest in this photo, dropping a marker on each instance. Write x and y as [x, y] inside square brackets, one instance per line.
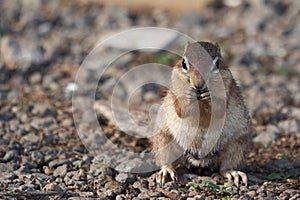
[188, 130]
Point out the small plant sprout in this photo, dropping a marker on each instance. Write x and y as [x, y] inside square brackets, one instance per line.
[222, 189]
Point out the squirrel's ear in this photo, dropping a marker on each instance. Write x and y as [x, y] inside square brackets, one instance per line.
[186, 46]
[219, 49]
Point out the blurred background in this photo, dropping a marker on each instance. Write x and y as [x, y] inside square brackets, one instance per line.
[43, 43]
[261, 36]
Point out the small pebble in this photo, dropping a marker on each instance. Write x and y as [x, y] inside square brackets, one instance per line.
[125, 178]
[9, 155]
[60, 171]
[251, 194]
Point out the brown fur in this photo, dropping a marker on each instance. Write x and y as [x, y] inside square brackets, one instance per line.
[180, 103]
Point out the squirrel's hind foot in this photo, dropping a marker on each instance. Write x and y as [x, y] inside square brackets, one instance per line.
[163, 173]
[234, 176]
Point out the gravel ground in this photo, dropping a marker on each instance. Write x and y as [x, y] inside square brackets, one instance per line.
[42, 46]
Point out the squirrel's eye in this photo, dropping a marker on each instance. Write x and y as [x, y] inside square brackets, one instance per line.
[184, 65]
[216, 63]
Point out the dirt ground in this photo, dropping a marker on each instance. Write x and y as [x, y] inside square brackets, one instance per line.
[43, 45]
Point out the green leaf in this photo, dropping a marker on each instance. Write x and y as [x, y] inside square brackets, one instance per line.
[182, 189]
[282, 70]
[207, 183]
[274, 176]
[78, 165]
[283, 155]
[165, 58]
[230, 191]
[226, 198]
[192, 184]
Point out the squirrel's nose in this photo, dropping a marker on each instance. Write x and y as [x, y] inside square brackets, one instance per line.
[199, 89]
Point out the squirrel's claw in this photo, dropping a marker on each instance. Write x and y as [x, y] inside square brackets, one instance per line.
[234, 176]
[163, 173]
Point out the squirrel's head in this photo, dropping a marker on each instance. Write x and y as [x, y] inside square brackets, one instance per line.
[201, 64]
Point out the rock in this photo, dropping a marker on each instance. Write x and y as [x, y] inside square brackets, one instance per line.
[27, 188]
[13, 95]
[290, 126]
[53, 187]
[140, 38]
[37, 157]
[200, 197]
[23, 170]
[121, 197]
[35, 78]
[10, 155]
[4, 74]
[135, 166]
[187, 22]
[60, 171]
[210, 197]
[190, 19]
[85, 158]
[265, 138]
[297, 163]
[295, 113]
[43, 110]
[21, 54]
[125, 178]
[10, 47]
[44, 28]
[251, 194]
[6, 114]
[254, 180]
[296, 196]
[50, 83]
[68, 178]
[283, 164]
[138, 184]
[22, 188]
[23, 118]
[67, 122]
[87, 198]
[233, 3]
[192, 193]
[273, 130]
[14, 125]
[97, 169]
[31, 137]
[79, 149]
[41, 176]
[111, 194]
[42, 39]
[103, 158]
[114, 186]
[79, 175]
[245, 197]
[10, 176]
[46, 170]
[41, 123]
[261, 190]
[142, 195]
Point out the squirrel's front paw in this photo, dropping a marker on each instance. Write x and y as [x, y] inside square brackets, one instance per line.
[234, 176]
[163, 173]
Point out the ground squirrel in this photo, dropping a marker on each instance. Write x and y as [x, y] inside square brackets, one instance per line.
[203, 91]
